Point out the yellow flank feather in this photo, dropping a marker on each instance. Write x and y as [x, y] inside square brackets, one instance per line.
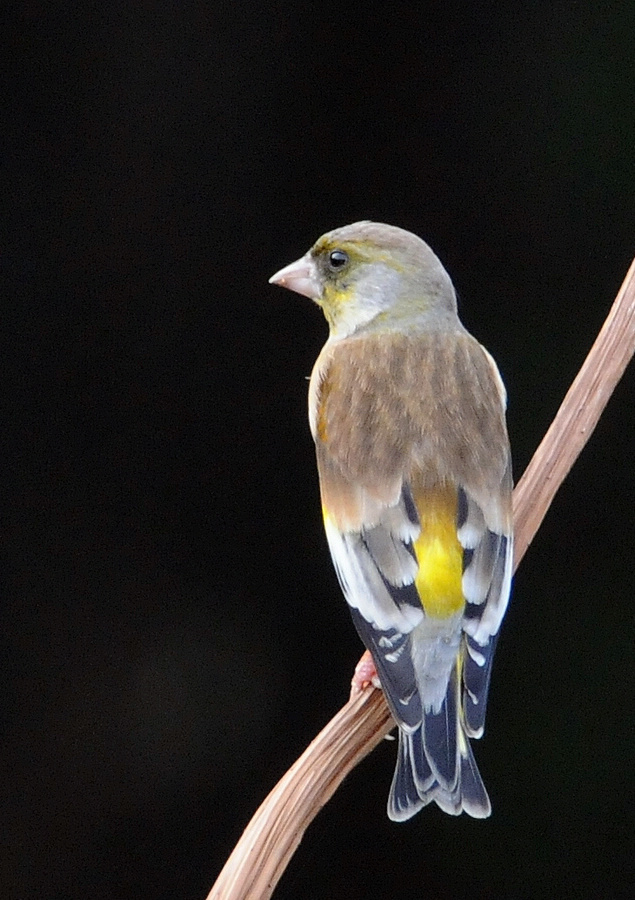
[439, 554]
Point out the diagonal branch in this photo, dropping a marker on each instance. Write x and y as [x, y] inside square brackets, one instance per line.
[577, 417]
[269, 841]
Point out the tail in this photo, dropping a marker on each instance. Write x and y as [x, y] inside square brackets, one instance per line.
[435, 762]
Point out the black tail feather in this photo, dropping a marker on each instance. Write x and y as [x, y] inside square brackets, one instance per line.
[436, 763]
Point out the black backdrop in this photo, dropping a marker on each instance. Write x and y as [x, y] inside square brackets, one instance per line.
[173, 634]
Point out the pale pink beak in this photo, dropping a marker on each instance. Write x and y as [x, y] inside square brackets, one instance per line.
[300, 276]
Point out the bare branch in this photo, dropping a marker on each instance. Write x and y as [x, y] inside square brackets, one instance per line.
[577, 417]
[269, 841]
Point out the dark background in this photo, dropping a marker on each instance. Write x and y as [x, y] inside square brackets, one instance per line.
[172, 632]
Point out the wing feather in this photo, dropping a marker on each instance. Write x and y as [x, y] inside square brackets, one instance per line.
[383, 438]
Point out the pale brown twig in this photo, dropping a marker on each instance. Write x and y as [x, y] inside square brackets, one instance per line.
[269, 841]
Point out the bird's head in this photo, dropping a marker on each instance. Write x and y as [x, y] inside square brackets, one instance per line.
[372, 273]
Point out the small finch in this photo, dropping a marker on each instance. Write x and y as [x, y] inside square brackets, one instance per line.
[407, 411]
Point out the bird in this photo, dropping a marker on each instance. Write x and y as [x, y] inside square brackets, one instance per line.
[407, 412]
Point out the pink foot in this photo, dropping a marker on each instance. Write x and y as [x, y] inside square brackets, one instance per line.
[365, 675]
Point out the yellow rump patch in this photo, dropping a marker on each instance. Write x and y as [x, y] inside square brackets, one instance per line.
[439, 554]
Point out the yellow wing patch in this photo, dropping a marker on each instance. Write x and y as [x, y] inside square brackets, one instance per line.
[439, 554]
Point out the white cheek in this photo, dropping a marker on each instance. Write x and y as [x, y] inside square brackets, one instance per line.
[379, 289]
[374, 293]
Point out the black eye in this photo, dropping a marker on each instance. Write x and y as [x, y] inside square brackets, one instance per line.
[337, 259]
